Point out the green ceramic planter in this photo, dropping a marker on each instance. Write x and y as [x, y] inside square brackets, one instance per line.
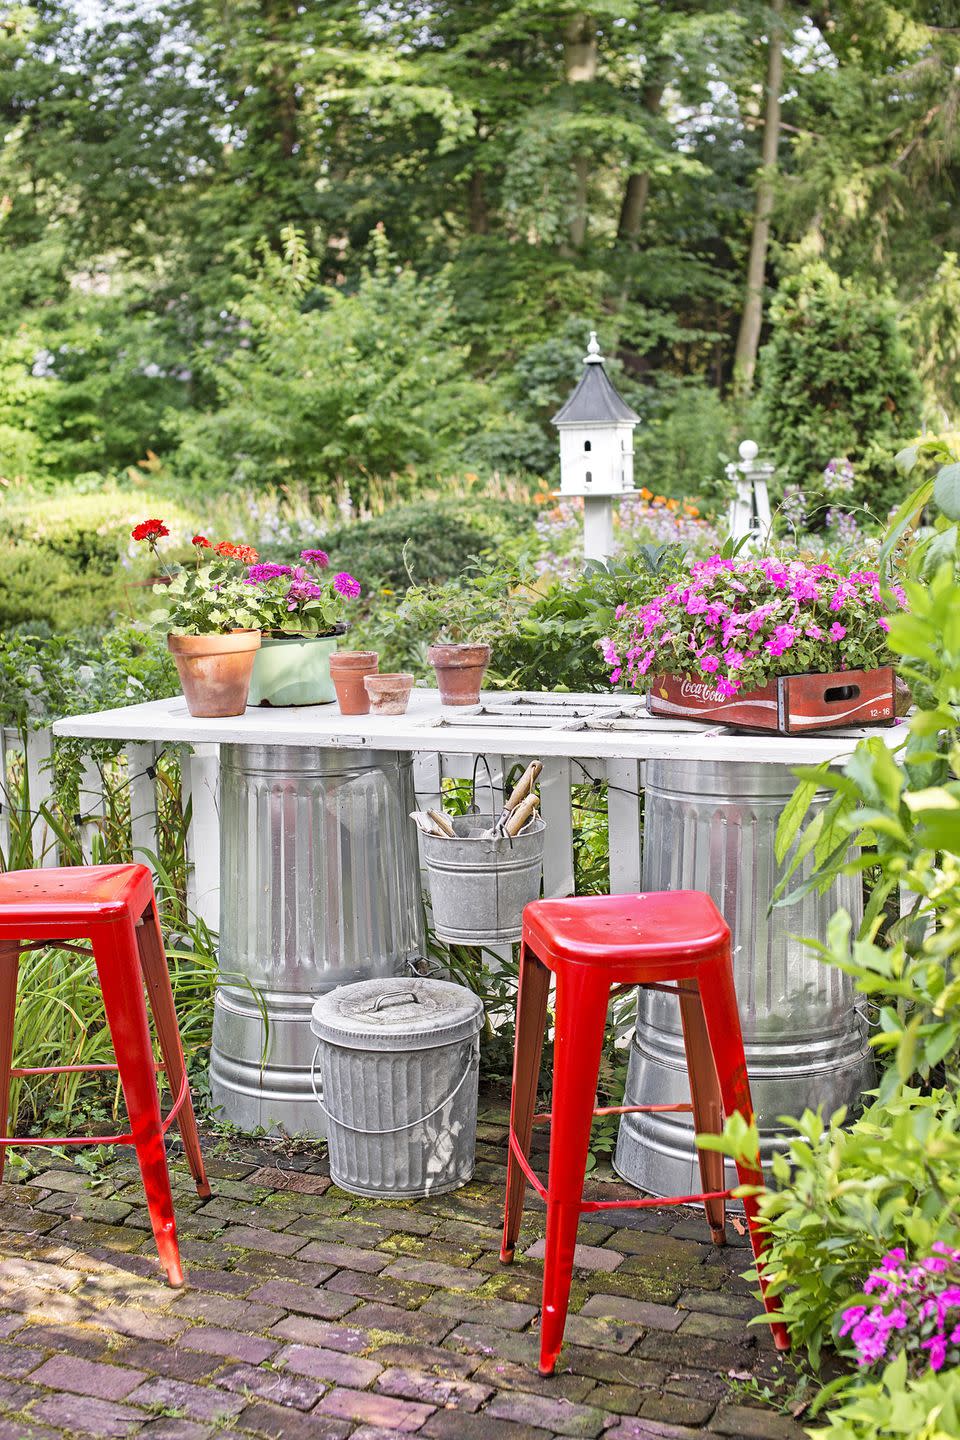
[293, 670]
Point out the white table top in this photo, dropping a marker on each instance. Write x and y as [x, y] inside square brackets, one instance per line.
[427, 726]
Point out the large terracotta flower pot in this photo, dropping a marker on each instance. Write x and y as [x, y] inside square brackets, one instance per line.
[215, 670]
[347, 669]
[293, 670]
[460, 670]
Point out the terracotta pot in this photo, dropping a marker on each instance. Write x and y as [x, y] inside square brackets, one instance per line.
[215, 670]
[347, 669]
[389, 694]
[460, 670]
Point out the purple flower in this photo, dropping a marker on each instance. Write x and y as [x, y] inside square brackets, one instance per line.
[301, 591]
[316, 557]
[258, 574]
[837, 631]
[346, 585]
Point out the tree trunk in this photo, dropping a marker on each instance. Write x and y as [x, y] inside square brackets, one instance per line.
[637, 190]
[748, 339]
[579, 65]
[280, 83]
[479, 219]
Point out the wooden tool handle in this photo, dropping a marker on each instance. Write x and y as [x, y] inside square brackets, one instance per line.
[519, 817]
[442, 823]
[524, 785]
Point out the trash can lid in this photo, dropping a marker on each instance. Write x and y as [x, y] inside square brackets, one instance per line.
[397, 1014]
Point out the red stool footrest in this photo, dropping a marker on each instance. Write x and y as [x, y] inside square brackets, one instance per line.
[590, 1206]
[7, 1140]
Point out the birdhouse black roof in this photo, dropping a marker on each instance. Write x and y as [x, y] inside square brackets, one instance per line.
[596, 400]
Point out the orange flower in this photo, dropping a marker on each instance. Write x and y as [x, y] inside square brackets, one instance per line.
[659, 500]
[244, 553]
[672, 504]
[646, 494]
[691, 510]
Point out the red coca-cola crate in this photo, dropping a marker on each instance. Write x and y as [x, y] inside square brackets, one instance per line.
[789, 705]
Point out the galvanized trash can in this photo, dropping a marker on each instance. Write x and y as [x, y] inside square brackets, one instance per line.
[479, 886]
[400, 1063]
[711, 825]
[320, 887]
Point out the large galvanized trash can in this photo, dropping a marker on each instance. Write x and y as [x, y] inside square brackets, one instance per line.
[479, 885]
[400, 1065]
[711, 826]
[320, 886]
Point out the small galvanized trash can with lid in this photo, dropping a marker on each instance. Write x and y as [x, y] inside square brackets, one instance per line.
[400, 1065]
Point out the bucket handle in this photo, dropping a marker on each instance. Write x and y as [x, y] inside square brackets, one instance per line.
[359, 1130]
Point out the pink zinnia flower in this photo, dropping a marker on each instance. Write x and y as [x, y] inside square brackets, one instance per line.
[316, 557]
[346, 585]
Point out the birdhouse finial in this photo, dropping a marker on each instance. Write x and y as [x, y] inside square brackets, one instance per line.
[593, 356]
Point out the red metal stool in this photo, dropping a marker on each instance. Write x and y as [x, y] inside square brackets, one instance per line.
[113, 906]
[595, 945]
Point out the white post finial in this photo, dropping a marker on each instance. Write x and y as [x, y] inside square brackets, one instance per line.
[593, 356]
[749, 449]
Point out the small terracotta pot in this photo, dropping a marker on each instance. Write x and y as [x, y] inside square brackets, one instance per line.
[215, 670]
[389, 694]
[460, 670]
[347, 669]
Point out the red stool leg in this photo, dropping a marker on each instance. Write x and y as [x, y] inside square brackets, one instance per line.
[9, 969]
[722, 1017]
[582, 1000]
[705, 1097]
[115, 953]
[532, 994]
[156, 973]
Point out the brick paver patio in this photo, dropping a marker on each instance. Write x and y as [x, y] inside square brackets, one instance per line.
[311, 1314]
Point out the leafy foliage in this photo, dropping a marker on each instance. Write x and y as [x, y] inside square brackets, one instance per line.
[838, 380]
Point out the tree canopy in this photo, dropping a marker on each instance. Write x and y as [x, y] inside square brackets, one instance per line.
[516, 170]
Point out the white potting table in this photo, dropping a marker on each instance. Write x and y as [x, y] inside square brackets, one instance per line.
[581, 739]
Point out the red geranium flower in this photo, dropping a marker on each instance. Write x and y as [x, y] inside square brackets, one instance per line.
[201, 542]
[149, 530]
[244, 553]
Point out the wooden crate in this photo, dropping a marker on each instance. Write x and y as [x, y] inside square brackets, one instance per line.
[790, 705]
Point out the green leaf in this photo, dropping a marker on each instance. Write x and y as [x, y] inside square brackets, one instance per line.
[910, 508]
[946, 490]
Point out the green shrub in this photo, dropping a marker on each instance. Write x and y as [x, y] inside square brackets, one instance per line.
[39, 585]
[441, 537]
[684, 441]
[897, 1408]
[837, 380]
[327, 384]
[846, 1197]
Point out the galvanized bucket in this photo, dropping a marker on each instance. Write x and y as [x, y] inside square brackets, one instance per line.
[711, 826]
[400, 1063]
[478, 886]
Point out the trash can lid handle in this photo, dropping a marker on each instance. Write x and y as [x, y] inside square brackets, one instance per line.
[400, 997]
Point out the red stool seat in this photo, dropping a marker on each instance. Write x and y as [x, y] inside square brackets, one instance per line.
[114, 908]
[624, 931]
[676, 942]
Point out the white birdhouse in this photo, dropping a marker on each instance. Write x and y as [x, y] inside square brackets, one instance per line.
[596, 433]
